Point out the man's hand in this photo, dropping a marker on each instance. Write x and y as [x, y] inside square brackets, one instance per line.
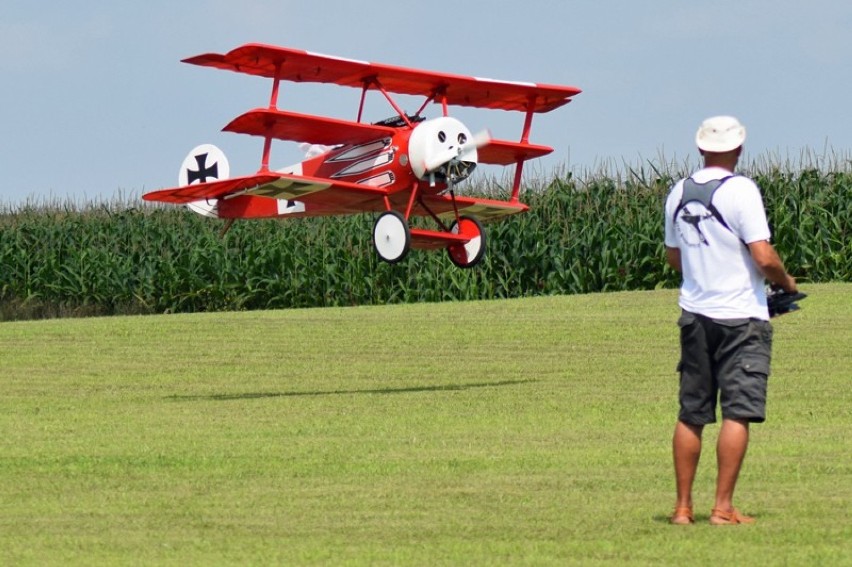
[780, 302]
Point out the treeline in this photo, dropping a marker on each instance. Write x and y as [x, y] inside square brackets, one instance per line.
[599, 233]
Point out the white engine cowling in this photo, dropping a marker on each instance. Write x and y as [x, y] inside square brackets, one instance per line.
[437, 142]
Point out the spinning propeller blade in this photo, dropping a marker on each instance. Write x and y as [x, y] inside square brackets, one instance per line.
[479, 139]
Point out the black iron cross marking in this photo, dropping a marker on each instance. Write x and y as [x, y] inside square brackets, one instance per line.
[202, 173]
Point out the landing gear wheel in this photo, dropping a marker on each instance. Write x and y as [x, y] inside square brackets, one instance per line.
[472, 253]
[391, 237]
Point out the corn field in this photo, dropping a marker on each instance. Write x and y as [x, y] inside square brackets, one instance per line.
[602, 232]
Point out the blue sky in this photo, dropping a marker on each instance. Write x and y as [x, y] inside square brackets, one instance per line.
[95, 103]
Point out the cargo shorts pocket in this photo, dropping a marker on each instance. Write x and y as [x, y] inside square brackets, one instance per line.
[755, 364]
[743, 394]
[686, 318]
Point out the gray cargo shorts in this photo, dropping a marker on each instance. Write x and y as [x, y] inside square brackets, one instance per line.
[725, 360]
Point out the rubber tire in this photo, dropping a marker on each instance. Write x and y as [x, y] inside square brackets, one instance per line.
[470, 254]
[391, 237]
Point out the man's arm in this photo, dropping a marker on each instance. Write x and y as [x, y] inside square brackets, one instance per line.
[673, 258]
[770, 265]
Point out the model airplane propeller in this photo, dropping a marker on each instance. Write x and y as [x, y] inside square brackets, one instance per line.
[400, 167]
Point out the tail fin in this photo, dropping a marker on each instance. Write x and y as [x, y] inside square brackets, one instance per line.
[204, 163]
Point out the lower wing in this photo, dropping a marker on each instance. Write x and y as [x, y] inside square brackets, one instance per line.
[273, 185]
[333, 197]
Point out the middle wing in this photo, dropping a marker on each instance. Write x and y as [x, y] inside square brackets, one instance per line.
[505, 152]
[309, 128]
[296, 127]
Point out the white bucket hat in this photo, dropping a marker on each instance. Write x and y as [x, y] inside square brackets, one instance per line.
[720, 134]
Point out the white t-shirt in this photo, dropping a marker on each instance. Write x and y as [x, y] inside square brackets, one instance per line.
[720, 279]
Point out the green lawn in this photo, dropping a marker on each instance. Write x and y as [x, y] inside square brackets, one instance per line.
[527, 432]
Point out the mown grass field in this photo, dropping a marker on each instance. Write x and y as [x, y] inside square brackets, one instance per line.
[530, 431]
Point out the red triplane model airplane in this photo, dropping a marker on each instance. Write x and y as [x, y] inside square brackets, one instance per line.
[400, 167]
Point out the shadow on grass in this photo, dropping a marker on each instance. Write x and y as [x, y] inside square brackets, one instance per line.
[700, 519]
[408, 390]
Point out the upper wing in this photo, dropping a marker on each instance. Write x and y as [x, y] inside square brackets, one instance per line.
[303, 66]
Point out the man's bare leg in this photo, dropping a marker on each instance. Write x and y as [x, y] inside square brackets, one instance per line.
[730, 452]
[686, 448]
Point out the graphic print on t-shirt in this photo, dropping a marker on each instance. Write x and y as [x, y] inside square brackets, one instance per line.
[689, 230]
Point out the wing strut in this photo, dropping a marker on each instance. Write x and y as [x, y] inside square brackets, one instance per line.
[415, 191]
[273, 105]
[396, 107]
[363, 99]
[435, 217]
[442, 92]
[426, 102]
[276, 81]
[525, 139]
[432, 214]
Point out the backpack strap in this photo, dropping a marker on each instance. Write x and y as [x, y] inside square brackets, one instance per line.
[703, 193]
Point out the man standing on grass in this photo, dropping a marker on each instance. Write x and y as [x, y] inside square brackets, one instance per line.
[717, 236]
